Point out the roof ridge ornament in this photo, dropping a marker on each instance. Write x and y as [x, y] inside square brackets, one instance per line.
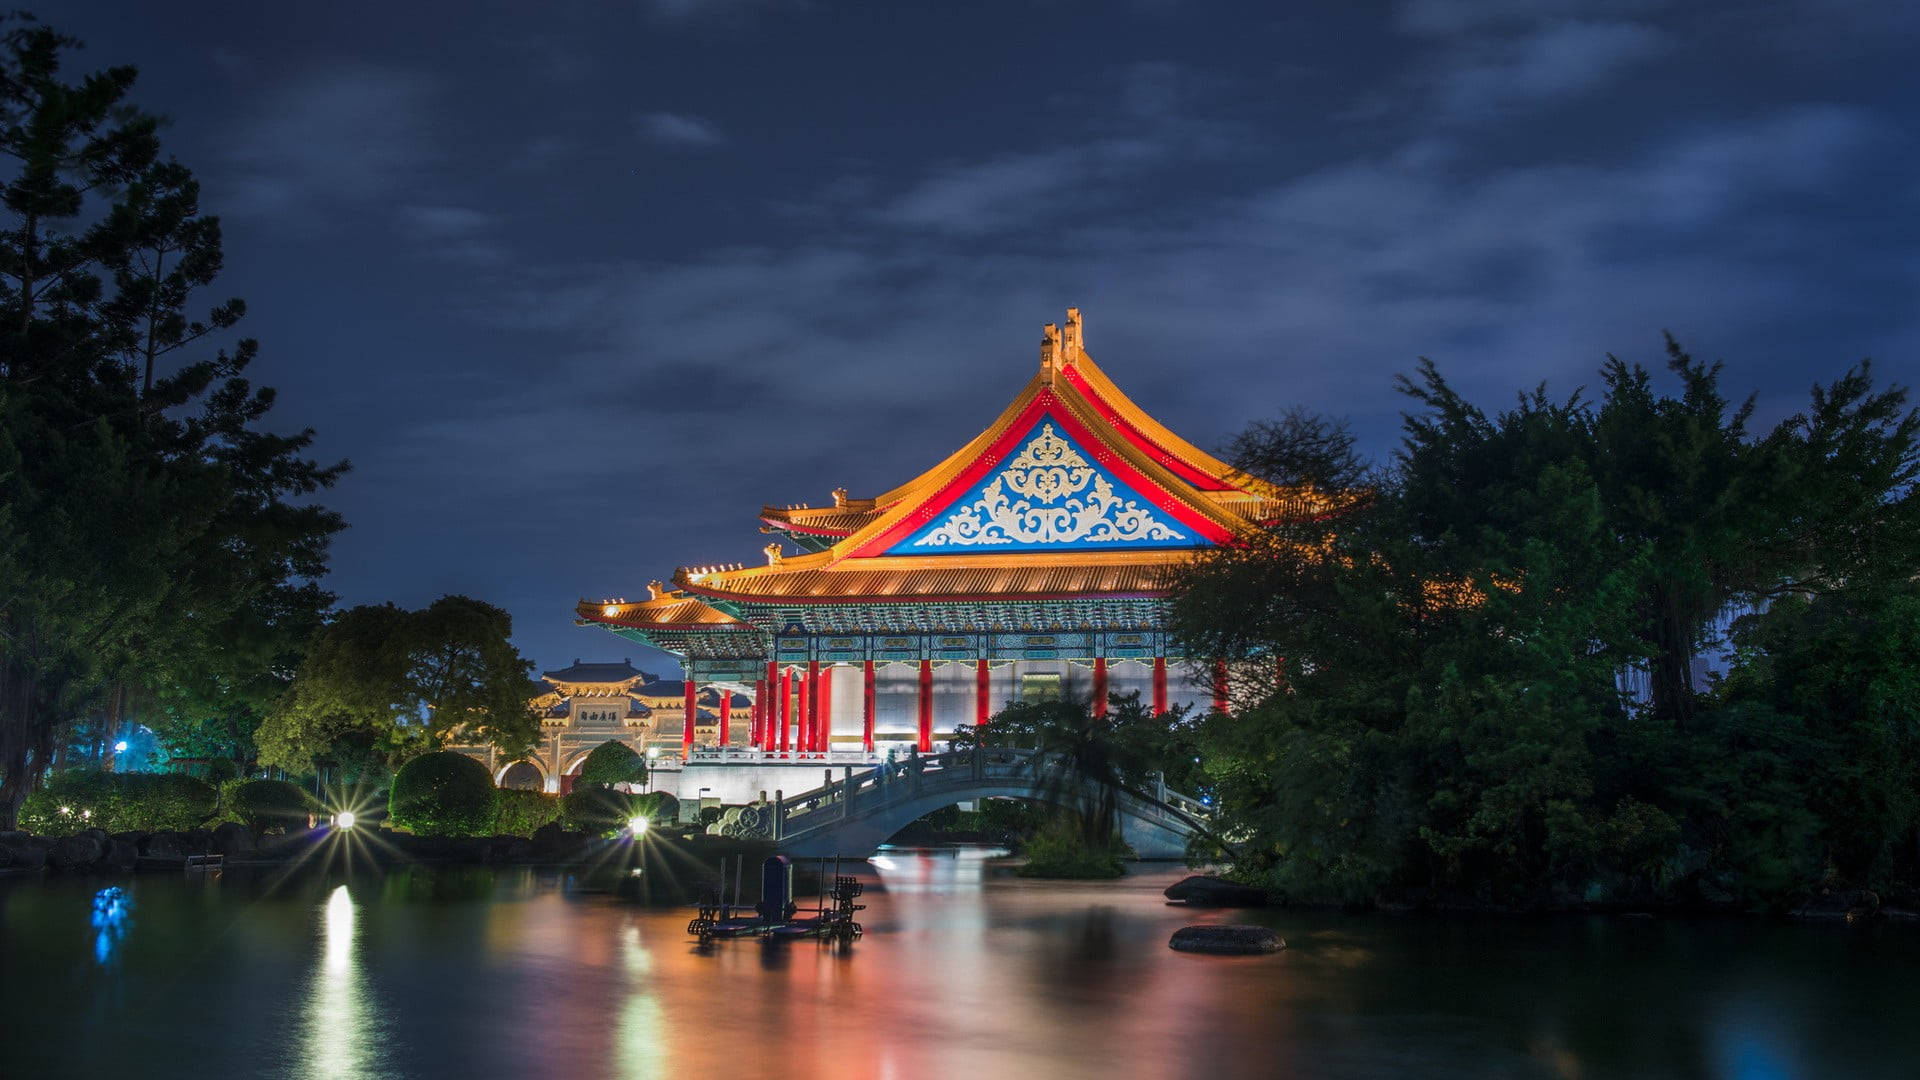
[1060, 346]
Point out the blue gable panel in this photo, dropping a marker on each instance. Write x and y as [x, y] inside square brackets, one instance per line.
[1049, 495]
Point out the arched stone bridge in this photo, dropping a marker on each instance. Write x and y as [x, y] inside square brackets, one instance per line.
[855, 814]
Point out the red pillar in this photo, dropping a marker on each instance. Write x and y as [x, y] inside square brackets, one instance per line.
[786, 709]
[693, 709]
[825, 723]
[770, 711]
[866, 709]
[981, 690]
[1159, 685]
[810, 727]
[726, 715]
[926, 706]
[1219, 686]
[758, 730]
[798, 676]
[1099, 687]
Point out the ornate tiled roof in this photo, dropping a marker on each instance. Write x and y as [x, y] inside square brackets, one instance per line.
[577, 672]
[1072, 492]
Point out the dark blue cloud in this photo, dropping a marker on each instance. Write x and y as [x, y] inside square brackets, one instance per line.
[579, 287]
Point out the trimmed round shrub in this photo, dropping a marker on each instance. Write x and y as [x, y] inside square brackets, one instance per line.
[658, 806]
[596, 808]
[118, 802]
[519, 813]
[442, 794]
[613, 763]
[265, 804]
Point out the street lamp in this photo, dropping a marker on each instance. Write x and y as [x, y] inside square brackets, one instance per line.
[652, 752]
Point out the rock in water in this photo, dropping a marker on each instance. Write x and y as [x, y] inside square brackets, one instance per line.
[78, 852]
[24, 852]
[548, 839]
[231, 839]
[121, 855]
[1202, 890]
[1228, 940]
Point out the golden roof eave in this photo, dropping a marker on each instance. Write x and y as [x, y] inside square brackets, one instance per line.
[937, 579]
[669, 611]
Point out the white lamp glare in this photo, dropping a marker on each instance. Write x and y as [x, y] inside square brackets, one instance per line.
[344, 819]
[637, 825]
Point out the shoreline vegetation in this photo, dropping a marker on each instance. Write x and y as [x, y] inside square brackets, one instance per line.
[1617, 651]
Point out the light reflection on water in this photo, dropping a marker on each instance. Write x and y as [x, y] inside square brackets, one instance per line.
[642, 1049]
[341, 1037]
[112, 916]
[966, 971]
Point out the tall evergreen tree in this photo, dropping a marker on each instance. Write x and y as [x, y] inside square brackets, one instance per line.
[147, 523]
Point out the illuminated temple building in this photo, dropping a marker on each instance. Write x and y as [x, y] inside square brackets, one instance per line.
[586, 704]
[1030, 563]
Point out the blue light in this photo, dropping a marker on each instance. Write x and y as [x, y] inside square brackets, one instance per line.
[120, 747]
[112, 910]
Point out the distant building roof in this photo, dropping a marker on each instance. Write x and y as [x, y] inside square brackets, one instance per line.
[710, 696]
[623, 671]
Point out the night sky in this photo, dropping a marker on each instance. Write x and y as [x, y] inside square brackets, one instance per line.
[578, 287]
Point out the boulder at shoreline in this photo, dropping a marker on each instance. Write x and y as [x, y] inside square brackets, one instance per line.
[1226, 940]
[1204, 890]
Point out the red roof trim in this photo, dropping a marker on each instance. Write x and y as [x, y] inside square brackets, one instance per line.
[952, 598]
[1167, 458]
[1047, 404]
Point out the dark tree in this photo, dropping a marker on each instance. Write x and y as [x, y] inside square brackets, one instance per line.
[391, 684]
[1444, 707]
[148, 526]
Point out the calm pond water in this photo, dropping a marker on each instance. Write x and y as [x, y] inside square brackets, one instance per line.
[965, 971]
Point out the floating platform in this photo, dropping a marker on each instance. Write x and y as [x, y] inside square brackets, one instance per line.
[777, 917]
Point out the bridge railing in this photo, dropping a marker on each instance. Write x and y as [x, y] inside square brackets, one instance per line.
[886, 785]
